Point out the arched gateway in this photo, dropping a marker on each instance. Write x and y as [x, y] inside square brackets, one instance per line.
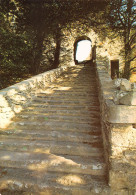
[82, 49]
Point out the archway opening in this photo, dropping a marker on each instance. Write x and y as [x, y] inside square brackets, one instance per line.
[82, 50]
[114, 69]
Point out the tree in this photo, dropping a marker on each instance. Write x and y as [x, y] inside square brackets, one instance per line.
[14, 46]
[122, 19]
[28, 28]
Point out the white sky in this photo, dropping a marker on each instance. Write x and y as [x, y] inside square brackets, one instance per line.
[83, 50]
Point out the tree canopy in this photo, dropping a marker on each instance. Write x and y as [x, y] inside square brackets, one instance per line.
[28, 26]
[121, 18]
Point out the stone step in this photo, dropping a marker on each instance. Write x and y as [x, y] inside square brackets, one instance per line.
[79, 77]
[47, 112]
[81, 74]
[76, 83]
[69, 94]
[51, 183]
[65, 107]
[69, 89]
[57, 124]
[52, 125]
[33, 126]
[53, 147]
[73, 87]
[52, 163]
[82, 91]
[51, 135]
[65, 97]
[66, 102]
[41, 118]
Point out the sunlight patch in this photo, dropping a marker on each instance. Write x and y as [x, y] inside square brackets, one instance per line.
[5, 157]
[70, 180]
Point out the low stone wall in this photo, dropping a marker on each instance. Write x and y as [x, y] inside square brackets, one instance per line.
[119, 135]
[14, 98]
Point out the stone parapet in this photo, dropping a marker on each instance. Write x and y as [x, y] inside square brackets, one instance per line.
[14, 98]
[119, 135]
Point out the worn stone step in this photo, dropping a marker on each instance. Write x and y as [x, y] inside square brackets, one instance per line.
[78, 84]
[47, 112]
[68, 79]
[68, 97]
[53, 147]
[51, 135]
[74, 97]
[66, 107]
[52, 163]
[79, 77]
[74, 88]
[57, 123]
[93, 130]
[52, 125]
[66, 102]
[42, 117]
[89, 91]
[69, 89]
[68, 94]
[16, 180]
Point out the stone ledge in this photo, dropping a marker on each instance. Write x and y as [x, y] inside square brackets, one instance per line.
[114, 113]
[14, 98]
[118, 132]
[120, 113]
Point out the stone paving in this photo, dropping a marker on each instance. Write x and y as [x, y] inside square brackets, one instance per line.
[55, 145]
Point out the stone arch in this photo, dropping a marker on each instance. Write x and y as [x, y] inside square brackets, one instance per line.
[78, 39]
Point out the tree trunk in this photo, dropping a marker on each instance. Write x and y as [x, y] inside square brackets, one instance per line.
[37, 51]
[127, 40]
[126, 73]
[57, 49]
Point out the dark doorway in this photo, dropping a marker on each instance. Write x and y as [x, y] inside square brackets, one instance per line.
[114, 69]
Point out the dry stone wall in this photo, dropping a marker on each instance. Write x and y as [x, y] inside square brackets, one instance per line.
[119, 134]
[107, 48]
[14, 98]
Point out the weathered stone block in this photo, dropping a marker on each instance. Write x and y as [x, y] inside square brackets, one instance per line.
[126, 138]
[125, 85]
[119, 113]
[119, 135]
[120, 180]
[129, 99]
[3, 101]
[118, 95]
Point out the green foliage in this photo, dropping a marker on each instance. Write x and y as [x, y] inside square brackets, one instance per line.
[25, 29]
[14, 55]
[121, 18]
[15, 48]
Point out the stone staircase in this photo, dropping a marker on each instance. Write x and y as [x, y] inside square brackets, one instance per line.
[54, 147]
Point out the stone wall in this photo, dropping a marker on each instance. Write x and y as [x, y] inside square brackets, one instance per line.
[14, 98]
[110, 48]
[119, 134]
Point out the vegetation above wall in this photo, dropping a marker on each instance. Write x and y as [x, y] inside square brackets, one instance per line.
[30, 31]
[30, 28]
[122, 20]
